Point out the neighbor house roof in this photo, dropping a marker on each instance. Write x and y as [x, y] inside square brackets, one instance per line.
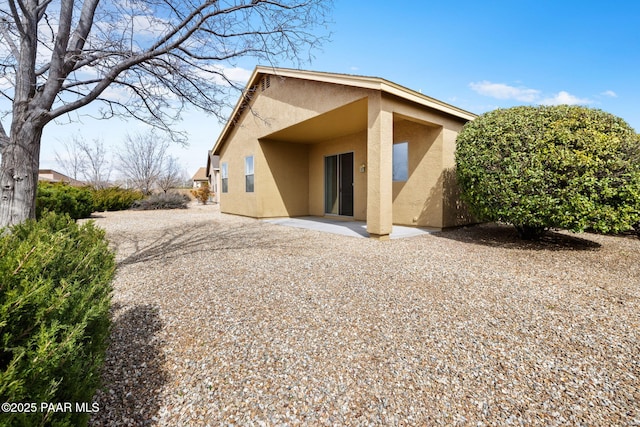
[201, 175]
[50, 175]
[374, 83]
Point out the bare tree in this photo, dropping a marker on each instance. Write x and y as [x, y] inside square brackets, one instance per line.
[171, 174]
[72, 161]
[141, 160]
[144, 59]
[86, 160]
[97, 168]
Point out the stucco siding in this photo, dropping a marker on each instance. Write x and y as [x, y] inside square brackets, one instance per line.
[284, 181]
[237, 200]
[416, 200]
[291, 101]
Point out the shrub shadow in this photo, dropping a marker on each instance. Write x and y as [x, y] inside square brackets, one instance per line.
[134, 373]
[505, 236]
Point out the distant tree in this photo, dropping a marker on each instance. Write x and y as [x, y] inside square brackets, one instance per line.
[171, 175]
[97, 171]
[143, 59]
[87, 161]
[72, 161]
[546, 167]
[141, 159]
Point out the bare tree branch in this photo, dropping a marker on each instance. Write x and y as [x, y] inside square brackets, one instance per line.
[140, 59]
[141, 160]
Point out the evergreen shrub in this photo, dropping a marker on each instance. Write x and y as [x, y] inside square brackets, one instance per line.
[565, 167]
[62, 198]
[55, 291]
[114, 198]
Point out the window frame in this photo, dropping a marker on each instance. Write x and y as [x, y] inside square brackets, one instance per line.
[224, 177]
[249, 174]
[401, 175]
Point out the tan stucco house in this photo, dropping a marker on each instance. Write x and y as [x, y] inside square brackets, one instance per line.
[304, 143]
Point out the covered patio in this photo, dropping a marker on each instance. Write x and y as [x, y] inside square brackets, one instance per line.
[356, 229]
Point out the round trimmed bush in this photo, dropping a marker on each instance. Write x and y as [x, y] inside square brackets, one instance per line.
[544, 167]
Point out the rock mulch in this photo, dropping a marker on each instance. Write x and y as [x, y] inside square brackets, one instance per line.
[223, 320]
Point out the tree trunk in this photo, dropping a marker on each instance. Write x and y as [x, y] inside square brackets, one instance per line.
[19, 174]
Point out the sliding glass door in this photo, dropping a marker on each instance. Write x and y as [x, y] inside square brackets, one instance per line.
[338, 184]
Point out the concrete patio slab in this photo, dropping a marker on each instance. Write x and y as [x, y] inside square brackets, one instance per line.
[345, 228]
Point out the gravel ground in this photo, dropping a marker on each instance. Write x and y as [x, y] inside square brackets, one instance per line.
[223, 320]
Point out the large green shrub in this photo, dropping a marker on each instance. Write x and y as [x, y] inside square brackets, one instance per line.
[62, 198]
[551, 167]
[55, 290]
[114, 198]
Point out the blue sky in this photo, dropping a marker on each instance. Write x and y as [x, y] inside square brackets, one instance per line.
[476, 55]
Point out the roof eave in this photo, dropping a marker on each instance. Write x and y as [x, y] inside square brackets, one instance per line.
[227, 127]
[373, 83]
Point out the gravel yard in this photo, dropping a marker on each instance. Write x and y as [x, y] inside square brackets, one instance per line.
[223, 320]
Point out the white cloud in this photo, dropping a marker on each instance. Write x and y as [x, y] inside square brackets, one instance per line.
[609, 93]
[237, 74]
[503, 91]
[524, 94]
[564, 97]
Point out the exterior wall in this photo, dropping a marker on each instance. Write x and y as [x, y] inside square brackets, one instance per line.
[237, 200]
[356, 143]
[283, 181]
[417, 201]
[282, 174]
[429, 198]
[289, 160]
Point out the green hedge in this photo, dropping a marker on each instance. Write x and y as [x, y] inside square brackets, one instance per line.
[55, 291]
[114, 198]
[80, 202]
[61, 198]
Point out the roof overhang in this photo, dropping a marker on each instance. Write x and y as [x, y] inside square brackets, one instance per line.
[373, 83]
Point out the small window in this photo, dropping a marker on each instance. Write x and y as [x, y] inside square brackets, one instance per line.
[224, 174]
[401, 161]
[248, 174]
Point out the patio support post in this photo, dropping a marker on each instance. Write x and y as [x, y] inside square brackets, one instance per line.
[379, 170]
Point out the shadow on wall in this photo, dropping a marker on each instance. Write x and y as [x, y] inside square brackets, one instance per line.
[133, 374]
[444, 199]
[289, 166]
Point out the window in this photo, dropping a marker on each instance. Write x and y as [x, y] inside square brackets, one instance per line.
[224, 174]
[401, 161]
[248, 174]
